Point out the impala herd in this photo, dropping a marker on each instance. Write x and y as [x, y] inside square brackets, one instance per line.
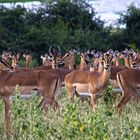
[88, 79]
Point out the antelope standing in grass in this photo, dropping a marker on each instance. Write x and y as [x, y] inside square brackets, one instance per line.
[48, 83]
[129, 83]
[91, 83]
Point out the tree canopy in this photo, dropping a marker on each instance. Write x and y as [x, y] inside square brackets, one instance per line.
[67, 23]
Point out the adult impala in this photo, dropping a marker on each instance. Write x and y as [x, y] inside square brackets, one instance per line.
[48, 83]
[92, 83]
[129, 83]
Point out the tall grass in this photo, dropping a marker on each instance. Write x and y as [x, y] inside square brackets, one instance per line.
[73, 120]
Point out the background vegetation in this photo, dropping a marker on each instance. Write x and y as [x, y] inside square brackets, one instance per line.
[65, 23]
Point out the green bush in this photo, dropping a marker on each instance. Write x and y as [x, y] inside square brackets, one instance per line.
[33, 65]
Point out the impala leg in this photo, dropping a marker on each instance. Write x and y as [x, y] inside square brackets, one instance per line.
[42, 102]
[93, 102]
[55, 105]
[6, 101]
[123, 102]
[70, 90]
[45, 103]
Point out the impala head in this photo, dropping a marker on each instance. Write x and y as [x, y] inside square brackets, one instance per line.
[24, 55]
[110, 52]
[101, 60]
[125, 53]
[72, 51]
[134, 60]
[56, 62]
[18, 55]
[83, 54]
[107, 59]
[116, 54]
[6, 55]
[85, 57]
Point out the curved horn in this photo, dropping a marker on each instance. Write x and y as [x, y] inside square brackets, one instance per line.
[59, 50]
[50, 50]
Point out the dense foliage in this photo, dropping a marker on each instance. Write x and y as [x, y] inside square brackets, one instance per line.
[132, 31]
[68, 23]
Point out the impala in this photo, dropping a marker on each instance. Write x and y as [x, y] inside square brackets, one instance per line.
[92, 83]
[48, 83]
[69, 59]
[46, 60]
[84, 60]
[129, 83]
[130, 86]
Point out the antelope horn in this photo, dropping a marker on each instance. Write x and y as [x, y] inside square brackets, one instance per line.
[50, 50]
[59, 50]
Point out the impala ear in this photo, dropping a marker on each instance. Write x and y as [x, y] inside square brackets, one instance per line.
[104, 57]
[111, 58]
[110, 51]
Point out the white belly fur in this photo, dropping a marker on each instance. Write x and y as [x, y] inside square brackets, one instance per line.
[84, 94]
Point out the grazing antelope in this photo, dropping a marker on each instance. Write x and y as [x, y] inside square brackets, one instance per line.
[92, 83]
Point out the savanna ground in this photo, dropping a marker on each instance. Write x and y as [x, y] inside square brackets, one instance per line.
[74, 120]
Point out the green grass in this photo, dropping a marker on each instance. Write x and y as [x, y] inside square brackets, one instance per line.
[73, 120]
